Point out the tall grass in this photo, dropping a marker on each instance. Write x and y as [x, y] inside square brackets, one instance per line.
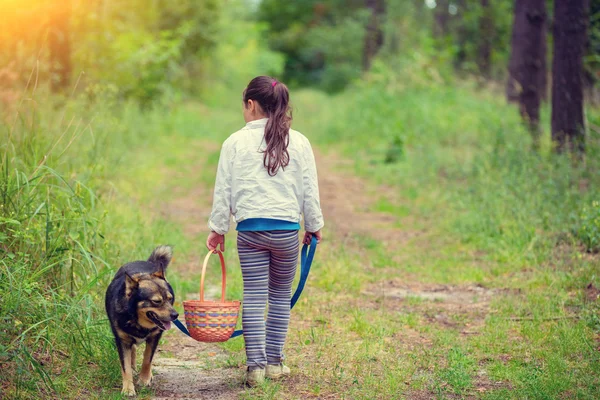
[461, 148]
[80, 176]
[497, 213]
[67, 221]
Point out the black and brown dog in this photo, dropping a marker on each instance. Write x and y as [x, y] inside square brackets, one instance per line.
[139, 304]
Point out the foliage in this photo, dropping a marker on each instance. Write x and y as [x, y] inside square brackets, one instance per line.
[146, 49]
[467, 37]
[395, 150]
[592, 57]
[339, 46]
[64, 227]
[512, 199]
[478, 207]
[72, 165]
[51, 240]
[322, 40]
[80, 174]
[588, 230]
[240, 55]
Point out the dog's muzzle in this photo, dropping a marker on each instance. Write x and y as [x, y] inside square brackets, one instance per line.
[162, 325]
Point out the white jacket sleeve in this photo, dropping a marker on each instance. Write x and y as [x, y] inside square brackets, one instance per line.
[221, 209]
[311, 209]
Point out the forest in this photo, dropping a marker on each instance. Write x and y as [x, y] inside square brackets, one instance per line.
[458, 149]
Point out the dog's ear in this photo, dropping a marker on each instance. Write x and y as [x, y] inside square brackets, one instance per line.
[160, 273]
[130, 284]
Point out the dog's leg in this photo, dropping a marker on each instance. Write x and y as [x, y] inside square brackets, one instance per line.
[127, 372]
[124, 349]
[133, 355]
[151, 345]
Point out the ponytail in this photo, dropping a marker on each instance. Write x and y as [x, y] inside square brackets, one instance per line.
[273, 97]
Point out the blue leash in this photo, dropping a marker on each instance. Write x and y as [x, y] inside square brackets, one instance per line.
[306, 258]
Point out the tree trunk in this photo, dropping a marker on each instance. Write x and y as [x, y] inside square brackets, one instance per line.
[60, 46]
[528, 61]
[544, 65]
[570, 25]
[486, 28]
[374, 31]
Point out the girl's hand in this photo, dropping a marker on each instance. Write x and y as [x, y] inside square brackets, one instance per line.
[308, 237]
[214, 239]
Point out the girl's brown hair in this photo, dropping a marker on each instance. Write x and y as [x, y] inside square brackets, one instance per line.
[274, 99]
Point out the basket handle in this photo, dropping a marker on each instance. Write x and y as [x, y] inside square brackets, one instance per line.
[223, 275]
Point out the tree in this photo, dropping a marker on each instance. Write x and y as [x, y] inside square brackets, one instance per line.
[477, 34]
[323, 40]
[374, 31]
[527, 64]
[570, 26]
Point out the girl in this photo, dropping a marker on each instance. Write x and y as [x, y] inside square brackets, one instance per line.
[266, 179]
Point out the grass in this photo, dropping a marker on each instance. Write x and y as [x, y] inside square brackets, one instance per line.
[469, 175]
[487, 211]
[495, 213]
[71, 212]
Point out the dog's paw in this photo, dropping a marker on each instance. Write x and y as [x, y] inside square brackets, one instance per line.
[146, 380]
[128, 389]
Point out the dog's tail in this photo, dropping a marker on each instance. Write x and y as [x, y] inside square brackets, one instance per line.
[161, 256]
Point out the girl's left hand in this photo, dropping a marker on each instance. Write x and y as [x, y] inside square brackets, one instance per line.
[214, 239]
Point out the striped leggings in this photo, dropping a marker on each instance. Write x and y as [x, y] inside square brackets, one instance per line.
[268, 260]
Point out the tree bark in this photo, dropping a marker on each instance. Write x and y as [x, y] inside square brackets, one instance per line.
[60, 46]
[374, 31]
[570, 26]
[527, 65]
[544, 65]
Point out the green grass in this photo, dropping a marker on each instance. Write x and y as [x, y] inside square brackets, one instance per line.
[488, 211]
[470, 177]
[77, 200]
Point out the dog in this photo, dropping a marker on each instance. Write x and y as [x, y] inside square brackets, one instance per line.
[139, 305]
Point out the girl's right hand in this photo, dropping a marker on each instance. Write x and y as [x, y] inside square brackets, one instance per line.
[214, 240]
[308, 237]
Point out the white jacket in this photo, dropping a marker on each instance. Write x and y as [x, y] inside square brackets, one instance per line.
[245, 190]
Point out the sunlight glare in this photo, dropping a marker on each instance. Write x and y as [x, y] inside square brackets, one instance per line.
[431, 3]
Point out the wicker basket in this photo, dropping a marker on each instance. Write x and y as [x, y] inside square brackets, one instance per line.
[211, 321]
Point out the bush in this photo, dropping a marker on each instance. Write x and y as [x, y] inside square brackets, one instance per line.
[588, 230]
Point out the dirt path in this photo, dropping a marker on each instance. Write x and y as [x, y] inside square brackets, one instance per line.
[186, 369]
[348, 202]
